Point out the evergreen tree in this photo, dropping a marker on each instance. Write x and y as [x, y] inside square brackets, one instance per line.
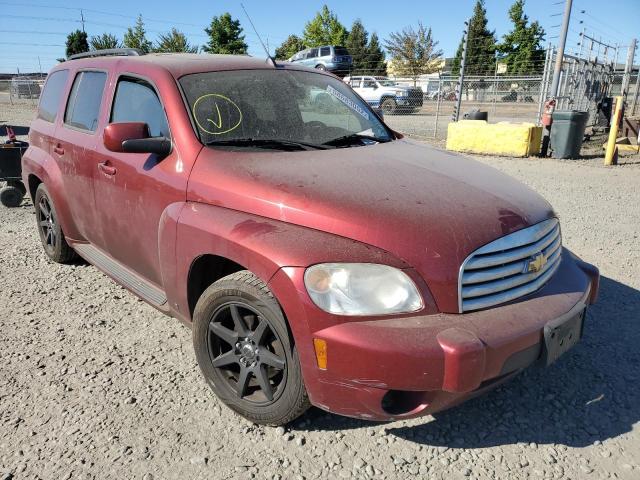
[174, 42]
[375, 56]
[136, 37]
[292, 45]
[356, 43]
[76, 43]
[104, 42]
[324, 29]
[481, 49]
[521, 48]
[225, 36]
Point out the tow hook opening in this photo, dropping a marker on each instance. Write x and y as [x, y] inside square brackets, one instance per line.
[399, 402]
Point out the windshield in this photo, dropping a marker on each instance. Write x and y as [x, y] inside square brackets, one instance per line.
[245, 108]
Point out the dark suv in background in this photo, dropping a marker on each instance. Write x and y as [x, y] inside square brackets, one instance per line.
[332, 58]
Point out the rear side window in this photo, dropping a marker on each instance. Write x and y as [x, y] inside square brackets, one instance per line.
[84, 102]
[52, 94]
[136, 101]
[325, 51]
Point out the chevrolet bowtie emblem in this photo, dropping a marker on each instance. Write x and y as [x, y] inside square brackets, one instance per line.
[536, 263]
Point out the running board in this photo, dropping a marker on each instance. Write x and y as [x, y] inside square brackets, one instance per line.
[120, 274]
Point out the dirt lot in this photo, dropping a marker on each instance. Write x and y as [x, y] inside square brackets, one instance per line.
[96, 384]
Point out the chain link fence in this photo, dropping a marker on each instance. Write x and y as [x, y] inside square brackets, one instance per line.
[21, 90]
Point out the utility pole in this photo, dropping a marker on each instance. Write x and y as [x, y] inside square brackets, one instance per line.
[631, 53]
[555, 83]
[82, 19]
[561, 44]
[456, 110]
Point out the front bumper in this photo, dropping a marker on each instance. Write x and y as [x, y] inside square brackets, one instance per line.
[385, 368]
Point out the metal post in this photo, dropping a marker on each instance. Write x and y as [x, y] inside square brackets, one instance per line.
[435, 129]
[495, 87]
[611, 153]
[545, 81]
[562, 41]
[456, 112]
[561, 44]
[631, 52]
[635, 94]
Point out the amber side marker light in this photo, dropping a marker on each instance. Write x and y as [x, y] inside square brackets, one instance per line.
[321, 352]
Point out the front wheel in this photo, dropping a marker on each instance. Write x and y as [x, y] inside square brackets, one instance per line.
[245, 351]
[321, 67]
[388, 106]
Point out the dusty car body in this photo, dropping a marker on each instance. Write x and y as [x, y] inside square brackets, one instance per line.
[169, 227]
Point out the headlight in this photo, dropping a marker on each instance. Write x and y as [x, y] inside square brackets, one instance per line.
[401, 93]
[361, 289]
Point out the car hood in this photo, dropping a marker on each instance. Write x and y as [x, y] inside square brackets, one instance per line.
[428, 207]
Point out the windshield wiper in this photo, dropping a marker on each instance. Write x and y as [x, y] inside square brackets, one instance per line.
[271, 143]
[354, 139]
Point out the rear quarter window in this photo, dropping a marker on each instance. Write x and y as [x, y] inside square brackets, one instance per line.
[85, 99]
[52, 95]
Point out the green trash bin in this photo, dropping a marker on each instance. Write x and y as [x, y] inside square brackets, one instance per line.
[567, 133]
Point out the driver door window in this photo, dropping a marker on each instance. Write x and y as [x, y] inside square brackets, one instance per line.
[369, 84]
[137, 101]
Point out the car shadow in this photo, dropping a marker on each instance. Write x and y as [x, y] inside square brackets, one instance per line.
[590, 394]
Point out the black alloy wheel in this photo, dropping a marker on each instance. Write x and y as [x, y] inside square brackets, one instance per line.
[247, 352]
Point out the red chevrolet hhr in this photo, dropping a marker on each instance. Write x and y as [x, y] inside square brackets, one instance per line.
[319, 257]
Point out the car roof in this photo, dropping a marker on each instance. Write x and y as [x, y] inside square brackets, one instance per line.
[180, 64]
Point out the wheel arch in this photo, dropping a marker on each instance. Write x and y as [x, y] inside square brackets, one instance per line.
[205, 270]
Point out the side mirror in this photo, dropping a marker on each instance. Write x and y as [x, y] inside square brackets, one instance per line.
[133, 137]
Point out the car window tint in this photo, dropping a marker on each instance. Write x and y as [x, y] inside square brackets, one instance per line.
[325, 51]
[312, 53]
[136, 101]
[369, 84]
[52, 94]
[340, 51]
[84, 102]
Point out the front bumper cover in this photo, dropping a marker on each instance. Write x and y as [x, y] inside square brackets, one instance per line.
[405, 367]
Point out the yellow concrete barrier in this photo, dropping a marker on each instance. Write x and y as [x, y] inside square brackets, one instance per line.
[509, 139]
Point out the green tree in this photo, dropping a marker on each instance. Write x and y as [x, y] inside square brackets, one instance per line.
[324, 29]
[292, 45]
[375, 56]
[225, 36]
[413, 52]
[136, 37]
[481, 50]
[77, 43]
[521, 48]
[104, 42]
[356, 43]
[174, 42]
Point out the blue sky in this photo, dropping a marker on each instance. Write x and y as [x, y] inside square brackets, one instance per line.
[33, 28]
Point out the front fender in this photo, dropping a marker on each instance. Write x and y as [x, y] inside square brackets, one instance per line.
[259, 244]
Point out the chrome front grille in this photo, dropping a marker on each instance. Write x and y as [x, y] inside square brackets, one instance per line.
[510, 267]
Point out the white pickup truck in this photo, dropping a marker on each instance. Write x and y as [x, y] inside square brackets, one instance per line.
[386, 94]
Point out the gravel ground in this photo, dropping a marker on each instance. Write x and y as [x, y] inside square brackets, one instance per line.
[96, 384]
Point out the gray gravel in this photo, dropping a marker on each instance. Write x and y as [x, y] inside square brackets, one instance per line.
[96, 384]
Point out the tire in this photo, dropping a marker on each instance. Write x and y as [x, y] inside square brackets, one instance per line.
[389, 106]
[19, 185]
[227, 324]
[11, 196]
[321, 67]
[51, 234]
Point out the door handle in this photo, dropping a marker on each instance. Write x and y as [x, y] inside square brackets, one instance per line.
[106, 169]
[58, 149]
